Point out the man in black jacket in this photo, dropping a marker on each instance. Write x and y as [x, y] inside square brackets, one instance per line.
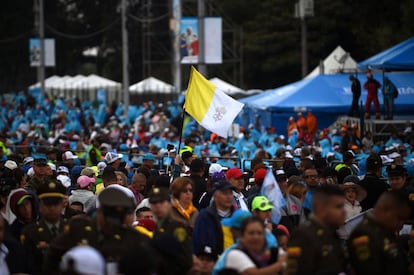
[197, 176]
[372, 182]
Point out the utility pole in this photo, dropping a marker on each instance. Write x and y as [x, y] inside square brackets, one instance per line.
[176, 32]
[303, 9]
[304, 43]
[202, 68]
[40, 26]
[125, 57]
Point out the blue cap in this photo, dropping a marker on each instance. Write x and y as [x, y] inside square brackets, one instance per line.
[236, 219]
[148, 156]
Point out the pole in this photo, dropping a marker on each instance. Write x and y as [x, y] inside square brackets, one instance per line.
[176, 30]
[202, 68]
[304, 46]
[41, 69]
[125, 57]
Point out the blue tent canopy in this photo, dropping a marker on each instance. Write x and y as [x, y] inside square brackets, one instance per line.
[397, 58]
[327, 96]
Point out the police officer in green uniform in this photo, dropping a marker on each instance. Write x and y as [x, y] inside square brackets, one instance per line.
[42, 171]
[373, 245]
[314, 247]
[116, 236]
[171, 238]
[37, 236]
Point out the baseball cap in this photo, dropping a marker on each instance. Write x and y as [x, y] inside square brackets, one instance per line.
[260, 174]
[83, 260]
[87, 171]
[236, 219]
[234, 173]
[27, 160]
[17, 198]
[222, 186]
[40, 162]
[101, 166]
[68, 155]
[62, 169]
[215, 167]
[85, 181]
[159, 194]
[261, 203]
[111, 157]
[148, 156]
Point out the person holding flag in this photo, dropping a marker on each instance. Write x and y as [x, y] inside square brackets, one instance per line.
[270, 189]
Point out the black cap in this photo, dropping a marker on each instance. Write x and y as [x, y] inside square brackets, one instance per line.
[222, 186]
[116, 197]
[396, 170]
[40, 162]
[159, 194]
[51, 191]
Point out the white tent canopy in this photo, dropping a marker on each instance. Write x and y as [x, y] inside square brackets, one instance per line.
[338, 61]
[78, 82]
[151, 85]
[226, 87]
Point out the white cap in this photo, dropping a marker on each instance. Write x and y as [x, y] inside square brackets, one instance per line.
[62, 169]
[386, 160]
[394, 155]
[214, 168]
[27, 160]
[297, 152]
[30, 172]
[68, 155]
[10, 164]
[111, 157]
[101, 166]
[84, 260]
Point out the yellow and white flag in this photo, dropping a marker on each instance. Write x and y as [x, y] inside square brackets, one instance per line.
[209, 106]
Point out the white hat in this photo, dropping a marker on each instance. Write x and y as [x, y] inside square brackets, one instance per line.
[214, 168]
[52, 166]
[27, 160]
[62, 169]
[111, 157]
[10, 164]
[84, 260]
[30, 172]
[68, 155]
[297, 152]
[101, 166]
[394, 155]
[386, 160]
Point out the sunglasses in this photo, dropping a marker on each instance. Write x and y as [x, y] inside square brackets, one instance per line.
[188, 190]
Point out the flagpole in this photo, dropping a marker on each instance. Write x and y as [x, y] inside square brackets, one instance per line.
[181, 131]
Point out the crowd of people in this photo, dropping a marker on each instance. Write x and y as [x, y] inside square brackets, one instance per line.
[91, 189]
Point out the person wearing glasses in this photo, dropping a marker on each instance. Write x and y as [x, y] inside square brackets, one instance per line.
[183, 209]
[311, 178]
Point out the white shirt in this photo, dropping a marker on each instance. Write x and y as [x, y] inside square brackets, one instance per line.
[241, 200]
[4, 251]
[352, 210]
[239, 261]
